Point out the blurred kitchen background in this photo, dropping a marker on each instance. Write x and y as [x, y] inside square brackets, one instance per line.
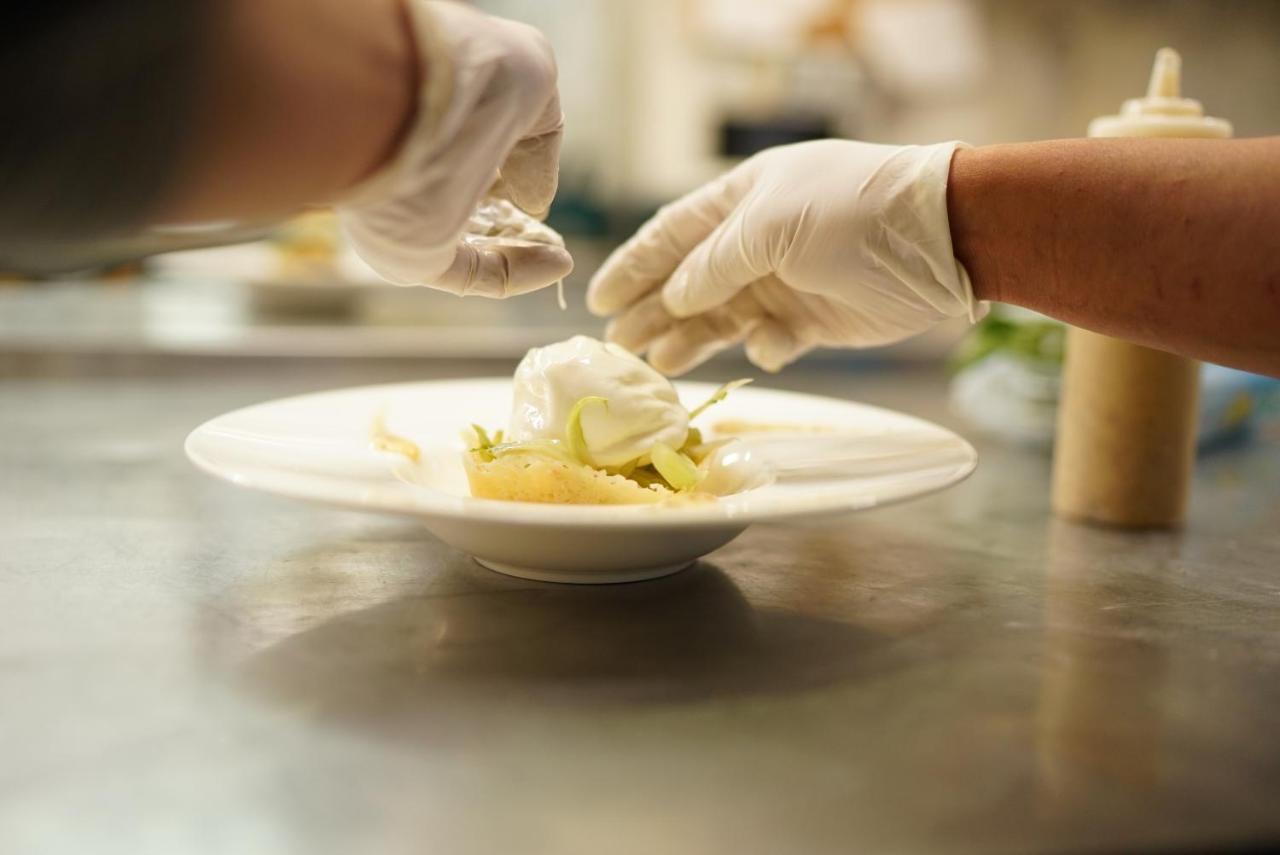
[661, 96]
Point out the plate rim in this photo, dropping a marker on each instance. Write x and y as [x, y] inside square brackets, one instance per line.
[428, 504]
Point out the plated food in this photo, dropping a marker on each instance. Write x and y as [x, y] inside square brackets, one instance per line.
[592, 423]
[400, 450]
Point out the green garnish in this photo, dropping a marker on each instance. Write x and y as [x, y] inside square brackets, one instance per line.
[1033, 341]
[677, 469]
[720, 395]
[699, 453]
[542, 447]
[490, 448]
[483, 442]
[573, 429]
[648, 477]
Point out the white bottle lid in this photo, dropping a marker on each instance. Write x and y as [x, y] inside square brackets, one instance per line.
[1163, 112]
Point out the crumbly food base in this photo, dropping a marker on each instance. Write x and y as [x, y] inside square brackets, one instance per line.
[534, 478]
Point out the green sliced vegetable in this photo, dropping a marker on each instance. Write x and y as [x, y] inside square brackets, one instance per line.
[700, 452]
[677, 469]
[542, 447]
[625, 470]
[490, 448]
[647, 476]
[483, 441]
[573, 429]
[720, 395]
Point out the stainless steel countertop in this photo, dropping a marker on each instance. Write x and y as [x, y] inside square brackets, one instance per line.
[189, 668]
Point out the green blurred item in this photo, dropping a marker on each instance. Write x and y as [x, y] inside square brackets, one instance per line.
[1008, 379]
[1031, 338]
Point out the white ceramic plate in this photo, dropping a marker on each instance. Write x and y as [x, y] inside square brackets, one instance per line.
[317, 448]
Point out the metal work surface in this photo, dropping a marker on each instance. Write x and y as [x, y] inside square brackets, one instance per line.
[190, 668]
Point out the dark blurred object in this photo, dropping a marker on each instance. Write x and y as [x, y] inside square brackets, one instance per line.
[741, 138]
[94, 101]
[126, 271]
[576, 212]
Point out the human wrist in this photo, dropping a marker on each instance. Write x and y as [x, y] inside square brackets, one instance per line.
[387, 91]
[301, 99]
[914, 184]
[969, 188]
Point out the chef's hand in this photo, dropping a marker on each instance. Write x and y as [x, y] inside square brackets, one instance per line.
[830, 243]
[488, 123]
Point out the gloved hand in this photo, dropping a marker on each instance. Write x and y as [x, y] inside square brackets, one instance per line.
[488, 123]
[830, 243]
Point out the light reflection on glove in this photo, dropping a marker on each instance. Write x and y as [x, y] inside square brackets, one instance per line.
[831, 243]
[489, 124]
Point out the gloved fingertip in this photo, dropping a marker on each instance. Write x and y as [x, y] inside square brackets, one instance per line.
[597, 297]
[615, 333]
[668, 367]
[611, 290]
[676, 297]
[534, 268]
[769, 367]
[771, 347]
[536, 204]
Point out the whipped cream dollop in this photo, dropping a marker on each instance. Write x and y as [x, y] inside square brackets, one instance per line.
[642, 410]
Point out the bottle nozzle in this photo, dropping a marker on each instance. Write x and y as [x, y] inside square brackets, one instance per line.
[1163, 112]
[1166, 75]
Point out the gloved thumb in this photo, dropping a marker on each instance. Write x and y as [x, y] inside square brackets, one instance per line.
[716, 270]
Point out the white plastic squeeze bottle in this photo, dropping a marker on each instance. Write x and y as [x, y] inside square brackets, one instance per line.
[1127, 422]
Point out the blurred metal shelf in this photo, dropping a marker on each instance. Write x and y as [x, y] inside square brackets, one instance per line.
[213, 306]
[217, 319]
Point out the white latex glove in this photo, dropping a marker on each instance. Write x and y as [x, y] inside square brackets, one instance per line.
[831, 243]
[488, 123]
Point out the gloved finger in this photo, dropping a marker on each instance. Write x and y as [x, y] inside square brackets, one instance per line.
[648, 319]
[649, 258]
[725, 263]
[692, 341]
[498, 268]
[639, 325]
[531, 174]
[772, 346]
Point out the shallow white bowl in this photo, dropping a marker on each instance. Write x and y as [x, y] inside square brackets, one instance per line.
[317, 447]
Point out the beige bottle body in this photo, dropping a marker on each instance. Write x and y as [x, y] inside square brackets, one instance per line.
[1127, 422]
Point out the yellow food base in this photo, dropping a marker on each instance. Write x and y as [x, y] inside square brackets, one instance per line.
[534, 478]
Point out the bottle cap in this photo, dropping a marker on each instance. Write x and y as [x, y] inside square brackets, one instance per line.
[1163, 112]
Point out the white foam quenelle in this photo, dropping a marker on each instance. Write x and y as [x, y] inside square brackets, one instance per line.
[642, 406]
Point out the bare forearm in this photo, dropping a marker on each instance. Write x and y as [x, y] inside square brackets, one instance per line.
[1170, 243]
[302, 99]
